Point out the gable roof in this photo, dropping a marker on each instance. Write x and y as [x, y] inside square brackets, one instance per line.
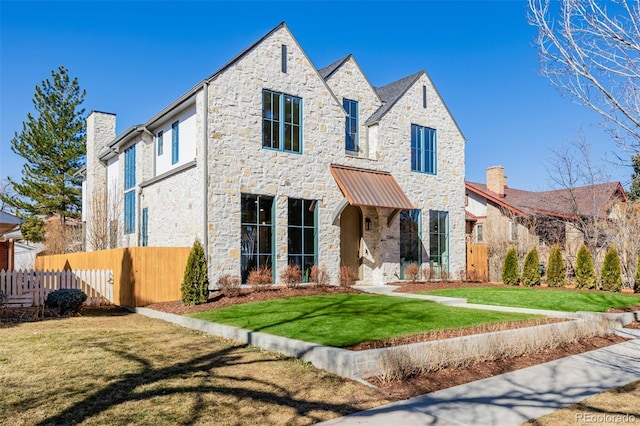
[327, 71]
[588, 200]
[391, 93]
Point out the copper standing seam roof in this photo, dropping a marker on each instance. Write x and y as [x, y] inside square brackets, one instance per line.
[362, 187]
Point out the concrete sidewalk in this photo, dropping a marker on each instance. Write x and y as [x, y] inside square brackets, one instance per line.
[513, 398]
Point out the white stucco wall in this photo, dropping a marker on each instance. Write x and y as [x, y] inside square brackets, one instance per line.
[187, 141]
[477, 205]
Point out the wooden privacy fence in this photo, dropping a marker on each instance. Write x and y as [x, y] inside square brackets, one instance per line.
[477, 263]
[31, 288]
[141, 275]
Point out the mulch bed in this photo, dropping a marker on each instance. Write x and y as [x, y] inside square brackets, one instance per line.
[418, 286]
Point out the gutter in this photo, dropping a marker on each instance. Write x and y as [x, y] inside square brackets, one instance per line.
[205, 170]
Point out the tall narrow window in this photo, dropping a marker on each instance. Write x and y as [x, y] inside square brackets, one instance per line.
[175, 143]
[129, 189]
[479, 233]
[423, 149]
[281, 122]
[256, 233]
[410, 241]
[513, 230]
[284, 58]
[160, 142]
[439, 242]
[145, 227]
[303, 235]
[424, 96]
[351, 127]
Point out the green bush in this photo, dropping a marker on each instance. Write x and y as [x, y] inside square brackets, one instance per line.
[510, 273]
[531, 269]
[584, 270]
[611, 276]
[195, 284]
[636, 281]
[66, 300]
[556, 268]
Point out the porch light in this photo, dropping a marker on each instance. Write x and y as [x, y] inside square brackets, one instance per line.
[367, 224]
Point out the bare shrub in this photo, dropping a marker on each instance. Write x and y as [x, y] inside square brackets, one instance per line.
[346, 276]
[229, 285]
[319, 276]
[412, 272]
[291, 276]
[461, 275]
[260, 278]
[428, 273]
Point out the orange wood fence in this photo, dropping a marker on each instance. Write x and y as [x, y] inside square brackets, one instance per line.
[477, 263]
[141, 275]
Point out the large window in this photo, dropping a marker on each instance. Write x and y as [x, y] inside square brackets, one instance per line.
[410, 242]
[351, 128]
[439, 242]
[423, 149]
[256, 234]
[303, 234]
[129, 189]
[281, 122]
[175, 143]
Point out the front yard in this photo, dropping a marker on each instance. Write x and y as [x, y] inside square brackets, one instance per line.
[541, 298]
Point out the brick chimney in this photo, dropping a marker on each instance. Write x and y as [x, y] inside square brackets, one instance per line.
[496, 180]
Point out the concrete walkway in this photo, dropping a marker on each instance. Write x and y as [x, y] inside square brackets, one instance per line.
[513, 398]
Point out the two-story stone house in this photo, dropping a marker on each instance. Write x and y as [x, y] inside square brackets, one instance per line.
[270, 161]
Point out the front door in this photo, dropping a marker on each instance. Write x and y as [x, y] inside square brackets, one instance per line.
[350, 236]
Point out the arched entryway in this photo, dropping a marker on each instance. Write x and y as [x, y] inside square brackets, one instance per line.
[350, 236]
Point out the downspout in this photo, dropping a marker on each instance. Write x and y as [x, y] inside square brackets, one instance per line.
[205, 171]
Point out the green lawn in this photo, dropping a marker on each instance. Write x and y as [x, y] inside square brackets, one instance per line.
[541, 298]
[347, 319]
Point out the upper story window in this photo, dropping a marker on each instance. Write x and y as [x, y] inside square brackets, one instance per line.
[129, 167]
[351, 128]
[281, 122]
[160, 142]
[129, 189]
[423, 149]
[175, 143]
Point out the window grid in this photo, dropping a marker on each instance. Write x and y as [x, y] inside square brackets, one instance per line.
[175, 143]
[410, 241]
[302, 235]
[281, 122]
[423, 149]
[439, 241]
[479, 233]
[160, 141]
[351, 127]
[129, 212]
[129, 187]
[257, 233]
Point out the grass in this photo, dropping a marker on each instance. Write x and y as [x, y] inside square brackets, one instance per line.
[549, 299]
[129, 369]
[347, 319]
[616, 406]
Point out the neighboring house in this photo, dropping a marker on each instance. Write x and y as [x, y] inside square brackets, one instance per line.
[503, 217]
[270, 161]
[14, 253]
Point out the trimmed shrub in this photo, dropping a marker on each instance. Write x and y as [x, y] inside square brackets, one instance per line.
[260, 278]
[66, 301]
[319, 276]
[412, 272]
[291, 276]
[611, 275]
[346, 277]
[556, 268]
[531, 269]
[584, 270]
[229, 285]
[636, 281]
[195, 284]
[510, 273]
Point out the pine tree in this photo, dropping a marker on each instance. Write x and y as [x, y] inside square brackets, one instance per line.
[531, 269]
[584, 271]
[634, 190]
[510, 273]
[53, 145]
[556, 270]
[195, 284]
[611, 275]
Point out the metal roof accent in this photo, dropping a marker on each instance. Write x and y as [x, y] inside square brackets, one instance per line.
[362, 187]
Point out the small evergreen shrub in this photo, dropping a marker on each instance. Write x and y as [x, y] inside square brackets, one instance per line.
[319, 276]
[260, 278]
[346, 277]
[229, 285]
[412, 272]
[611, 275]
[510, 273]
[195, 284]
[584, 270]
[531, 269]
[636, 281]
[291, 276]
[66, 301]
[556, 268]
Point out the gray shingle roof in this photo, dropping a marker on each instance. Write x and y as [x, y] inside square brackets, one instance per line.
[331, 68]
[391, 93]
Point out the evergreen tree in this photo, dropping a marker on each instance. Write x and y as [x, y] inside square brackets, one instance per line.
[195, 284]
[53, 145]
[531, 269]
[634, 190]
[611, 275]
[584, 271]
[510, 273]
[556, 270]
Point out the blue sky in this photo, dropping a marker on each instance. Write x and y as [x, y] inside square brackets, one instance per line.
[134, 58]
